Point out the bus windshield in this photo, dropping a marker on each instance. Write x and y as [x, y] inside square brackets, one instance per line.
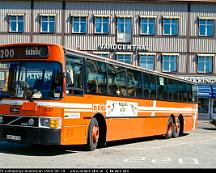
[31, 80]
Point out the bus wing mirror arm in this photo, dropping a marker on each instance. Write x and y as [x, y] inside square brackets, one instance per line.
[63, 74]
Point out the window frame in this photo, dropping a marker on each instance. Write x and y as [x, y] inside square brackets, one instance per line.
[17, 22]
[153, 55]
[170, 25]
[48, 23]
[125, 28]
[102, 24]
[79, 24]
[206, 26]
[148, 18]
[102, 53]
[206, 56]
[123, 53]
[176, 63]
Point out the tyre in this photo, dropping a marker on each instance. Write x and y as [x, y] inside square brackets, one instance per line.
[93, 135]
[169, 132]
[177, 128]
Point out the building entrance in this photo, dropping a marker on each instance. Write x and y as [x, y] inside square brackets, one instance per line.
[213, 110]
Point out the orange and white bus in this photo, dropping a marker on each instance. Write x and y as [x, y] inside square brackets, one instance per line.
[55, 96]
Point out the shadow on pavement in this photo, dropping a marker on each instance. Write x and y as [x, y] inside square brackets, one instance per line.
[137, 140]
[212, 128]
[38, 150]
[205, 124]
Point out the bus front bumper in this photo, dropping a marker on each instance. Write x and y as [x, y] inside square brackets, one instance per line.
[28, 135]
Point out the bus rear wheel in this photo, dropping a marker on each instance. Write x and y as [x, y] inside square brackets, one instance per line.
[169, 132]
[177, 128]
[93, 135]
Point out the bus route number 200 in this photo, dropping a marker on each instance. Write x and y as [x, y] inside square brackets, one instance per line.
[6, 53]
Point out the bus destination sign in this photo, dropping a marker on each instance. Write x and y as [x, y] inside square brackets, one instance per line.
[23, 52]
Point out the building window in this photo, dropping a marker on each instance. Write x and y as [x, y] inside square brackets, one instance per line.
[47, 24]
[79, 24]
[16, 23]
[103, 54]
[169, 63]
[124, 29]
[204, 64]
[126, 58]
[206, 27]
[147, 61]
[170, 26]
[101, 25]
[147, 26]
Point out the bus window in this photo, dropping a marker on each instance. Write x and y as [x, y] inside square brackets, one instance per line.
[149, 86]
[74, 76]
[146, 85]
[134, 83]
[189, 92]
[182, 92]
[4, 72]
[116, 80]
[161, 88]
[172, 89]
[121, 81]
[96, 77]
[152, 86]
[111, 79]
[33, 80]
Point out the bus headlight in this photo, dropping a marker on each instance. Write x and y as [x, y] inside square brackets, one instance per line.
[49, 122]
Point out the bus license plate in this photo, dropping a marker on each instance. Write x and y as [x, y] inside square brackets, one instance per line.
[12, 137]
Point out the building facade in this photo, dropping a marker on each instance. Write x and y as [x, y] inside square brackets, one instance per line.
[170, 36]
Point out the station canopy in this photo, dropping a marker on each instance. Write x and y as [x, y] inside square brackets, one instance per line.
[206, 91]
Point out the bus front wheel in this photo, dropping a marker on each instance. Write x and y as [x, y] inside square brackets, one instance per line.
[169, 132]
[93, 135]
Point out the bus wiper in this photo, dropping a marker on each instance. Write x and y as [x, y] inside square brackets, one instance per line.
[27, 91]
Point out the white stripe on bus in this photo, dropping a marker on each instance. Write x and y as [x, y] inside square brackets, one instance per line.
[53, 104]
[77, 110]
[88, 107]
[162, 109]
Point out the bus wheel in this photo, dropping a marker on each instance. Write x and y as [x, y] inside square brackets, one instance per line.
[169, 132]
[177, 128]
[93, 135]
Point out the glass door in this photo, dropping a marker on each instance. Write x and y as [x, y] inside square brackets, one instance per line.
[213, 108]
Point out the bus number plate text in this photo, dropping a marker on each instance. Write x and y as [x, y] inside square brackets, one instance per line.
[12, 137]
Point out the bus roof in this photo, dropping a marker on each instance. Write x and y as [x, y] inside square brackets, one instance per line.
[115, 62]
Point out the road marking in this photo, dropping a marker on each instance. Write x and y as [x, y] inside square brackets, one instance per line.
[163, 160]
[188, 161]
[135, 159]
